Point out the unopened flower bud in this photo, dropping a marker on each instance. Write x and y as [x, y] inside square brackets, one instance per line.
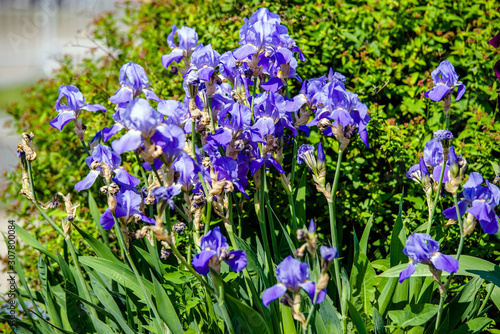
[112, 203]
[193, 81]
[301, 235]
[445, 137]
[165, 253]
[453, 163]
[179, 227]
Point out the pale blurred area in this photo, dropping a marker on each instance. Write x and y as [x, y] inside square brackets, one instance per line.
[34, 34]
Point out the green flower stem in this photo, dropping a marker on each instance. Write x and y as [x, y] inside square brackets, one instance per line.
[294, 162]
[85, 147]
[460, 226]
[30, 176]
[149, 302]
[336, 265]
[193, 130]
[333, 223]
[459, 252]
[293, 214]
[262, 222]
[440, 309]
[219, 285]
[210, 113]
[238, 211]
[270, 219]
[253, 97]
[312, 309]
[208, 215]
[431, 216]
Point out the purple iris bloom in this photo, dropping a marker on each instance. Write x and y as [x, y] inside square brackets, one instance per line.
[171, 139]
[167, 194]
[177, 113]
[141, 120]
[336, 77]
[421, 248]
[227, 66]
[232, 120]
[433, 153]
[261, 29]
[342, 107]
[272, 114]
[188, 39]
[418, 172]
[328, 253]
[214, 249]
[187, 169]
[104, 154]
[445, 81]
[260, 160]
[433, 158]
[128, 205]
[228, 169]
[480, 201]
[75, 105]
[205, 59]
[292, 275]
[133, 81]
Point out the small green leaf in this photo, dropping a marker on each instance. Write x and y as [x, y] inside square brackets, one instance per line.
[413, 315]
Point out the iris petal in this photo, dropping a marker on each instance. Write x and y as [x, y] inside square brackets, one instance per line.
[444, 262]
[237, 260]
[201, 260]
[272, 293]
[407, 272]
[88, 181]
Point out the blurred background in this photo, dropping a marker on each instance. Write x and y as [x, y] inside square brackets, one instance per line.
[34, 35]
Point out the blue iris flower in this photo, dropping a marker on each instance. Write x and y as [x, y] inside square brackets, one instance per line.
[421, 248]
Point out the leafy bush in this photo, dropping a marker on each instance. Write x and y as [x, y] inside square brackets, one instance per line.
[386, 50]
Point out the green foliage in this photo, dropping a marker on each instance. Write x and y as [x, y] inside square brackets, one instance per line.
[386, 50]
